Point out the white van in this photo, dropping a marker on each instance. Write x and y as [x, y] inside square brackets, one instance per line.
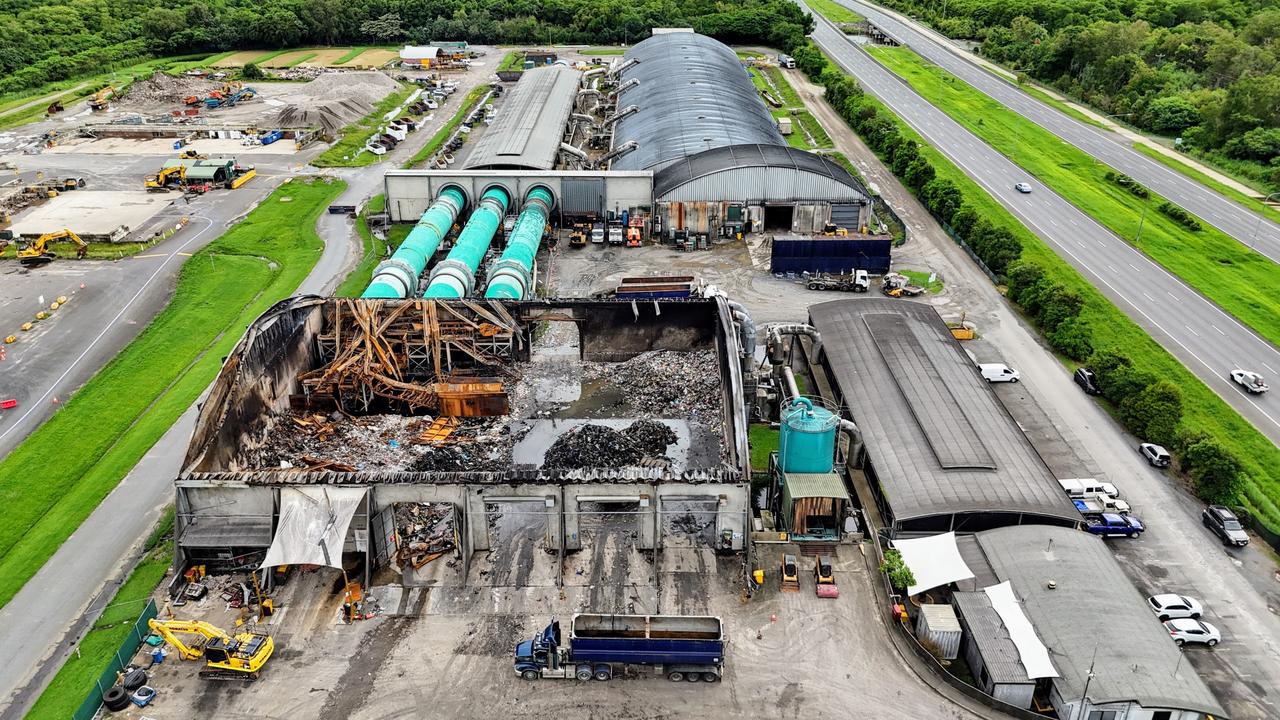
[999, 372]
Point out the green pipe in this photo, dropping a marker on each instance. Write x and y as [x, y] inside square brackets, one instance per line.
[512, 276]
[454, 277]
[398, 276]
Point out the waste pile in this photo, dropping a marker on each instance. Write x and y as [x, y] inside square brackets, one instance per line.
[161, 88]
[340, 99]
[426, 531]
[599, 446]
[651, 437]
[664, 382]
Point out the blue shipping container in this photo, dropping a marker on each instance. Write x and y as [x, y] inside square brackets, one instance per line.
[830, 255]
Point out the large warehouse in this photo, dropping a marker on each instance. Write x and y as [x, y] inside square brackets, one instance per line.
[673, 137]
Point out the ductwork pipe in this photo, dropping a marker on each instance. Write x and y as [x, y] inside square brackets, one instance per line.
[746, 328]
[583, 117]
[617, 92]
[455, 276]
[576, 152]
[591, 73]
[618, 69]
[775, 339]
[398, 276]
[616, 153]
[793, 390]
[511, 277]
[620, 114]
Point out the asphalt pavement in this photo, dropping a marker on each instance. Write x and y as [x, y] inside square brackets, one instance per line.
[1245, 225]
[1206, 339]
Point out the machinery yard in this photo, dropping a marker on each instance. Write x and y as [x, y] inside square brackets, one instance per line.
[95, 215]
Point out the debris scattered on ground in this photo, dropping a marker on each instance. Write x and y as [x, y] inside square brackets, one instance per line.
[592, 446]
[299, 73]
[168, 89]
[664, 381]
[651, 436]
[426, 530]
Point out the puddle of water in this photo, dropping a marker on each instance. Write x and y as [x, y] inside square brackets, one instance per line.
[532, 449]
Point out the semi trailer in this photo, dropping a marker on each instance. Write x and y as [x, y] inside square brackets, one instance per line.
[683, 648]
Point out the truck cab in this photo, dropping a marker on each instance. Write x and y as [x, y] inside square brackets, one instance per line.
[1102, 504]
[617, 234]
[597, 234]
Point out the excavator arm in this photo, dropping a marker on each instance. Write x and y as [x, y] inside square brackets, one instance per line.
[171, 629]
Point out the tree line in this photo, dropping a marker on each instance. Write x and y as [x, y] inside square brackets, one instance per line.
[1208, 72]
[1149, 407]
[42, 42]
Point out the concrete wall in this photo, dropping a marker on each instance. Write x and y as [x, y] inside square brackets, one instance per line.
[410, 192]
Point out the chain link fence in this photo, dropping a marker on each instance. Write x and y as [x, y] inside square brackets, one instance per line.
[123, 655]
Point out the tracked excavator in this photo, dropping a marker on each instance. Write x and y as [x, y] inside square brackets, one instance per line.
[226, 657]
[37, 252]
[166, 177]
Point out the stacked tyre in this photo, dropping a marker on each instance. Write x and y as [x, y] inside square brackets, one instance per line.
[115, 698]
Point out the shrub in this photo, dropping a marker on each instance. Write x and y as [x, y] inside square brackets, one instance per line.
[1153, 413]
[1072, 339]
[1129, 184]
[943, 198]
[1216, 472]
[899, 574]
[962, 222]
[918, 174]
[1187, 219]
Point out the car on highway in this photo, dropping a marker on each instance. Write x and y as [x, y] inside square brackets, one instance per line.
[1171, 607]
[1087, 380]
[1250, 381]
[1225, 525]
[999, 372]
[1155, 454]
[1024, 188]
[1188, 630]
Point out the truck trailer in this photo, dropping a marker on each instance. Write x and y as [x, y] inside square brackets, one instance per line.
[684, 648]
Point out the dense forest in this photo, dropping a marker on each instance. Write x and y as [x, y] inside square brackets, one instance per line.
[48, 41]
[1204, 70]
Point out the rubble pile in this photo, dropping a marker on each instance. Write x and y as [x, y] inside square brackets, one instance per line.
[666, 383]
[168, 89]
[299, 73]
[426, 531]
[592, 446]
[651, 437]
[329, 116]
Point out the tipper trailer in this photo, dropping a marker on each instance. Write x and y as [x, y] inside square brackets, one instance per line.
[688, 648]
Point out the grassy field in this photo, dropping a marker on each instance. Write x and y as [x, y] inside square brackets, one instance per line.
[834, 12]
[1110, 328]
[101, 432]
[513, 60]
[1252, 203]
[921, 278]
[603, 51]
[374, 250]
[1048, 99]
[468, 104]
[1223, 269]
[348, 151]
[77, 676]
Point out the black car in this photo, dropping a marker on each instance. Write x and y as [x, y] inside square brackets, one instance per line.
[1087, 381]
[1225, 525]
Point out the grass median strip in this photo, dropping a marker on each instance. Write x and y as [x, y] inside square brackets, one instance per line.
[52, 481]
[1224, 270]
[1252, 203]
[349, 150]
[834, 12]
[469, 103]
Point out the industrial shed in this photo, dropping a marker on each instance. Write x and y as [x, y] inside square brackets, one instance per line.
[941, 452]
[1092, 620]
[526, 134]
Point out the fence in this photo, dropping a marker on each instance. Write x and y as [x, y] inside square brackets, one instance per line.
[996, 279]
[955, 682]
[1267, 534]
[121, 658]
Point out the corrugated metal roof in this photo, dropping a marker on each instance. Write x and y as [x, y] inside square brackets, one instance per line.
[815, 485]
[694, 95]
[732, 172]
[987, 632]
[903, 449]
[530, 123]
[226, 531]
[1135, 660]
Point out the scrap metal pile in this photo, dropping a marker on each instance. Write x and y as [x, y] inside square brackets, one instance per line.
[426, 531]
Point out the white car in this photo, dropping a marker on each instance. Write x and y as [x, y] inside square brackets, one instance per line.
[1190, 630]
[1024, 188]
[1249, 380]
[1171, 607]
[999, 372]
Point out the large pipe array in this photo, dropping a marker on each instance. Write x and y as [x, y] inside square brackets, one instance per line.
[455, 276]
[512, 276]
[397, 277]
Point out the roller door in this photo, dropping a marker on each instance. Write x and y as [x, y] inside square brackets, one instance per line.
[580, 196]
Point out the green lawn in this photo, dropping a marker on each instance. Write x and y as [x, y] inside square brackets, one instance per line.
[762, 440]
[921, 278]
[105, 428]
[821, 140]
[351, 54]
[76, 678]
[374, 250]
[1252, 203]
[788, 94]
[603, 51]
[468, 104]
[349, 150]
[300, 59]
[834, 12]
[1215, 264]
[513, 60]
[1048, 99]
[202, 62]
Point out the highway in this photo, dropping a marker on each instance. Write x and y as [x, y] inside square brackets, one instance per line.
[1243, 224]
[1200, 334]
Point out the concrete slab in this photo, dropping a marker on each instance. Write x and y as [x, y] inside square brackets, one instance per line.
[92, 212]
[164, 147]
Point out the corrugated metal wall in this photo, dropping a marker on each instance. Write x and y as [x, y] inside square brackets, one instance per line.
[769, 184]
[582, 195]
[847, 215]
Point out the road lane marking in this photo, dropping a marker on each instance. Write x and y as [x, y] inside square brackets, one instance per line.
[1193, 331]
[1215, 327]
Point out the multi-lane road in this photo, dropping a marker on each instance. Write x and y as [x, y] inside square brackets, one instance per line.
[1243, 224]
[1200, 334]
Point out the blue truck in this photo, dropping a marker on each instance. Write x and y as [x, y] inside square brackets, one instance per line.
[1113, 524]
[686, 648]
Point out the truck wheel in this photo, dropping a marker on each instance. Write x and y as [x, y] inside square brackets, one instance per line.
[603, 674]
[710, 677]
[1133, 535]
[813, 286]
[675, 676]
[584, 673]
[691, 677]
[529, 674]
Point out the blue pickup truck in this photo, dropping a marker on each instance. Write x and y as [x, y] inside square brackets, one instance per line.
[1114, 525]
[682, 647]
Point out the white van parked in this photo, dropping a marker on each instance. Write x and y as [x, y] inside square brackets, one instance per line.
[999, 372]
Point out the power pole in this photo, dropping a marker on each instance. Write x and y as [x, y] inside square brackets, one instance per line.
[1089, 679]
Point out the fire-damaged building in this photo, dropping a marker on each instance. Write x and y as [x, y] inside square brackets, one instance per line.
[380, 435]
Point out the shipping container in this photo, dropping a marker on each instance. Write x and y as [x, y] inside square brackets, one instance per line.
[938, 625]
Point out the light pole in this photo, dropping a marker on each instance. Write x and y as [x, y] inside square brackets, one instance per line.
[1088, 679]
[1253, 237]
[1141, 220]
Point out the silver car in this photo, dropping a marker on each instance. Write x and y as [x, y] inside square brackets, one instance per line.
[1024, 188]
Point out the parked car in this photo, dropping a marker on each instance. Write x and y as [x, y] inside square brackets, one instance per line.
[1087, 381]
[1172, 607]
[1023, 188]
[1251, 381]
[1156, 455]
[999, 372]
[1225, 525]
[1113, 525]
[1187, 630]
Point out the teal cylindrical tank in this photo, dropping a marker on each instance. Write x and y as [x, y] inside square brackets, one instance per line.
[808, 438]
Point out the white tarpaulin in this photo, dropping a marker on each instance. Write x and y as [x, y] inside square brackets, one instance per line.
[1033, 654]
[934, 561]
[313, 525]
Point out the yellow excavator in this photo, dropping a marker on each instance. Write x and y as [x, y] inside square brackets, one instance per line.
[226, 657]
[37, 252]
[170, 175]
[102, 98]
